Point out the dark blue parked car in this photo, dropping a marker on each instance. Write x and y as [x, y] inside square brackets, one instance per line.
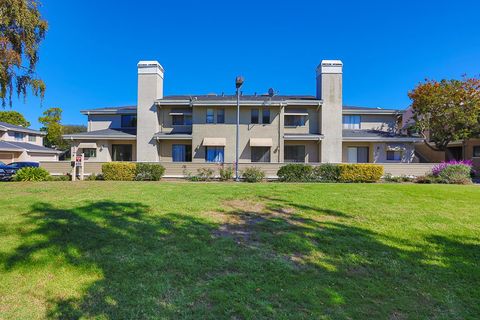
[6, 172]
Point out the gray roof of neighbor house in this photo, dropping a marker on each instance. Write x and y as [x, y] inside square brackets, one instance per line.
[11, 127]
[25, 146]
[111, 110]
[117, 134]
[349, 134]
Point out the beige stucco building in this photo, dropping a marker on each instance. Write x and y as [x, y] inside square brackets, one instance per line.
[23, 144]
[273, 128]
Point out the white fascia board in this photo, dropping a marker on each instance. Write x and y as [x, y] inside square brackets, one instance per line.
[360, 112]
[99, 112]
[99, 137]
[294, 137]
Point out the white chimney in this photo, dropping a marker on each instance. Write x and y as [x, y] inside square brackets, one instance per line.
[329, 90]
[150, 89]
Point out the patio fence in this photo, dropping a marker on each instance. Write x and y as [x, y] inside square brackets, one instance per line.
[180, 169]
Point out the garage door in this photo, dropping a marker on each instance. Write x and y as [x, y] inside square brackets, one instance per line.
[6, 157]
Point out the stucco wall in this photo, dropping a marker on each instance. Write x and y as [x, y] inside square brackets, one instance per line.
[10, 136]
[377, 152]
[312, 149]
[377, 122]
[101, 122]
[104, 149]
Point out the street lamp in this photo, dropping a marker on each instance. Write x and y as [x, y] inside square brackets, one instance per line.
[238, 84]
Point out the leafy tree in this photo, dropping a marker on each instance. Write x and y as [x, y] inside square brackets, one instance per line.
[446, 111]
[21, 31]
[70, 129]
[51, 125]
[14, 117]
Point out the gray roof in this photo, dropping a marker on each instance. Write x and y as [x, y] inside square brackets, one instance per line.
[13, 127]
[373, 134]
[213, 97]
[22, 146]
[105, 133]
[365, 108]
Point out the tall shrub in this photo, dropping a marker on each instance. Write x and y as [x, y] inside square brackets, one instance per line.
[125, 171]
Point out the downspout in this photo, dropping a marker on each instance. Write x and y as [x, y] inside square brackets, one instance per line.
[280, 115]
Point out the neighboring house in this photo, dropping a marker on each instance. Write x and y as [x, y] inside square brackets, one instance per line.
[22, 144]
[273, 128]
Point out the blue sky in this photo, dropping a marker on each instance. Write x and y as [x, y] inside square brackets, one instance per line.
[89, 56]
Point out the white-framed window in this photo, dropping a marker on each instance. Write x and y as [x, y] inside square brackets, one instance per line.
[90, 152]
[19, 136]
[394, 155]
[351, 122]
[295, 120]
[32, 138]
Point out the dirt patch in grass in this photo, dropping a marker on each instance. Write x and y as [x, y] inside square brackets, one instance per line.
[240, 218]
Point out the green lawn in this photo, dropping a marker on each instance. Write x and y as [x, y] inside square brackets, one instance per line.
[120, 250]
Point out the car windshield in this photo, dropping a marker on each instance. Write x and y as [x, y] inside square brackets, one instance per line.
[15, 165]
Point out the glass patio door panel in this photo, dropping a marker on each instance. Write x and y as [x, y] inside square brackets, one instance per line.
[260, 154]
[352, 155]
[362, 154]
[357, 155]
[181, 153]
[122, 152]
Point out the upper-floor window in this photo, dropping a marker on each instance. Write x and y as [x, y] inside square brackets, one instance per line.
[254, 116]
[220, 115]
[182, 120]
[18, 136]
[295, 120]
[351, 122]
[210, 116]
[129, 121]
[32, 138]
[266, 115]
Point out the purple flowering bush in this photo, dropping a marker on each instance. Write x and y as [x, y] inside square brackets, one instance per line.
[458, 172]
[437, 169]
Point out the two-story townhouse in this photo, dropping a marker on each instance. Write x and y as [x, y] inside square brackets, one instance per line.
[23, 144]
[272, 128]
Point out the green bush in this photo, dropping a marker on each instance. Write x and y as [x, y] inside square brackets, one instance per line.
[456, 174]
[203, 174]
[60, 178]
[326, 173]
[124, 171]
[253, 174]
[226, 173]
[31, 174]
[428, 179]
[149, 172]
[360, 172]
[295, 172]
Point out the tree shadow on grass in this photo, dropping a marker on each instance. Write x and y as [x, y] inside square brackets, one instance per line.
[175, 265]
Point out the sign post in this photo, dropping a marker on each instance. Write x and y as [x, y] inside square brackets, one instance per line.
[79, 162]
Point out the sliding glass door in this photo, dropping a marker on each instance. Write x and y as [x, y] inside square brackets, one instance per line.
[122, 152]
[357, 155]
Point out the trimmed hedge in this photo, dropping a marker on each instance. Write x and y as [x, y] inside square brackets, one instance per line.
[149, 172]
[31, 174]
[326, 173]
[295, 172]
[120, 171]
[360, 172]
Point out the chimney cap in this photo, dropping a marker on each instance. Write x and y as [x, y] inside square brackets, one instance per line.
[147, 67]
[330, 66]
